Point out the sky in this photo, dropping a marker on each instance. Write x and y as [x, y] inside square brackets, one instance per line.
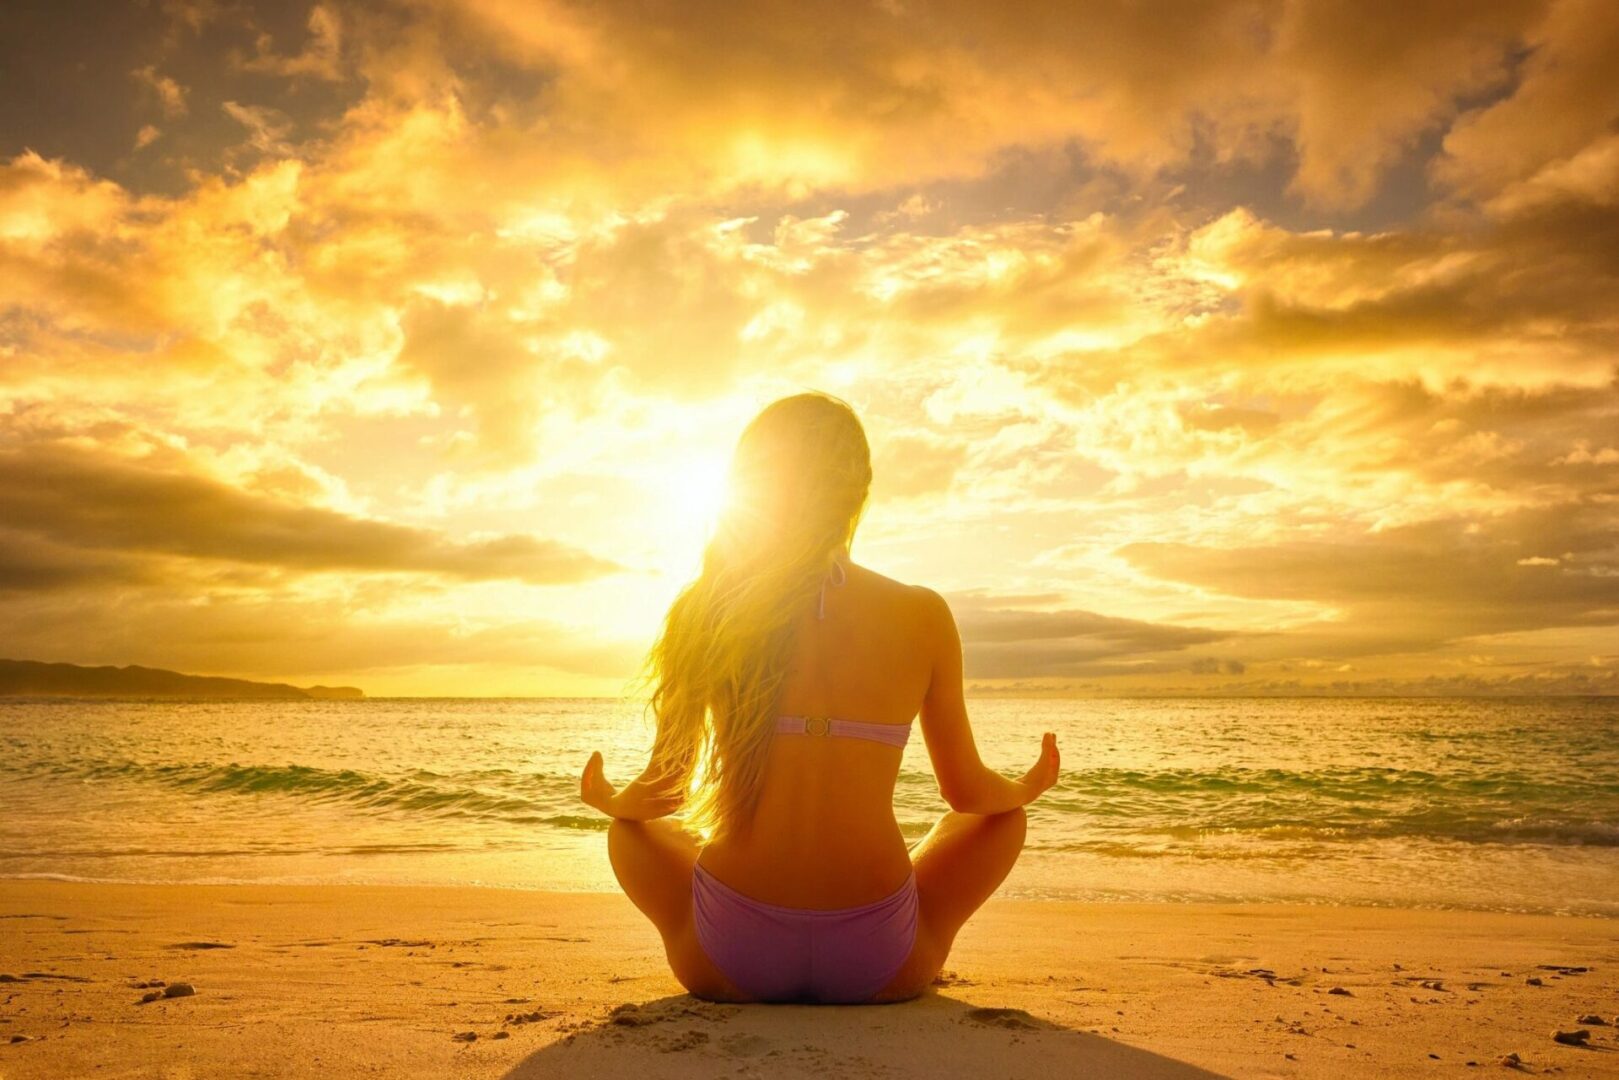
[1230, 348]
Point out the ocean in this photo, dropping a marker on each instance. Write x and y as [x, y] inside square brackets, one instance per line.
[1508, 805]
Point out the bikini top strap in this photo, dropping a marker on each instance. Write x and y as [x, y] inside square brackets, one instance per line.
[892, 734]
[838, 577]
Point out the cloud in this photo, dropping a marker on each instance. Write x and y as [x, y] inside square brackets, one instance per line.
[1003, 637]
[29, 563]
[79, 500]
[282, 635]
[1425, 585]
[267, 128]
[171, 96]
[906, 94]
[321, 57]
[1563, 102]
[1208, 665]
[913, 465]
[1371, 82]
[1590, 176]
[1462, 296]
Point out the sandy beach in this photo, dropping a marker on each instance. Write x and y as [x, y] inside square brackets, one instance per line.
[402, 981]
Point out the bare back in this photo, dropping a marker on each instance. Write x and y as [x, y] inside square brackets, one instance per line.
[828, 802]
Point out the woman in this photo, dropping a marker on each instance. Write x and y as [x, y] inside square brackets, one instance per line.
[785, 681]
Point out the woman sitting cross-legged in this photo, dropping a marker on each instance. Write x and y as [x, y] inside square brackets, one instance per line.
[785, 682]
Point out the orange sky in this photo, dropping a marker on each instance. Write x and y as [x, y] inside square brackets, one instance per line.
[1260, 346]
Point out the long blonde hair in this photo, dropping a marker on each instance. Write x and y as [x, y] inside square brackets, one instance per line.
[798, 484]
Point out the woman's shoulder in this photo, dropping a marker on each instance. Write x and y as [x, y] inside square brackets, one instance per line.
[924, 603]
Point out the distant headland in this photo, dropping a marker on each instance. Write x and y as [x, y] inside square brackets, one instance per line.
[31, 678]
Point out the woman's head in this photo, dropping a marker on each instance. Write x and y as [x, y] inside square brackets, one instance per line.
[798, 485]
[799, 479]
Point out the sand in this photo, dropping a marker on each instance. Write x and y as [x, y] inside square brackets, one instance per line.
[432, 982]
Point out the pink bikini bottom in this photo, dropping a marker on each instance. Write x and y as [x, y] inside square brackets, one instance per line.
[829, 956]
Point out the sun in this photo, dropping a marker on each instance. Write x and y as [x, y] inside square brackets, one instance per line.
[702, 485]
[692, 489]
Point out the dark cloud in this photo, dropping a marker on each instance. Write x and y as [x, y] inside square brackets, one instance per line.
[694, 95]
[31, 563]
[1423, 585]
[1001, 642]
[281, 635]
[81, 89]
[1208, 665]
[1480, 297]
[76, 499]
[1548, 440]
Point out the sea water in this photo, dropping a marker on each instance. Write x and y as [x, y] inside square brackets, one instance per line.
[1491, 804]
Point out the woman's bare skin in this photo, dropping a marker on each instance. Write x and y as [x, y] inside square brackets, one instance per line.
[883, 652]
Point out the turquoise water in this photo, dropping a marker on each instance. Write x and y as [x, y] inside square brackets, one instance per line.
[1510, 805]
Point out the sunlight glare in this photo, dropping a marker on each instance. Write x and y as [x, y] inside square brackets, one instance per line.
[693, 490]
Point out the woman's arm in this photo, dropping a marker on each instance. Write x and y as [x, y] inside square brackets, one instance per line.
[966, 783]
[650, 795]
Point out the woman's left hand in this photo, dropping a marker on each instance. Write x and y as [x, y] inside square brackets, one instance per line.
[594, 789]
[1044, 774]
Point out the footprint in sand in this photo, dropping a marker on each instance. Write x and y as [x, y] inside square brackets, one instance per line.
[532, 1017]
[172, 990]
[1014, 1019]
[690, 1039]
[740, 1045]
[630, 1014]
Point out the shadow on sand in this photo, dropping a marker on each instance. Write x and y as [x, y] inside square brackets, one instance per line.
[932, 1036]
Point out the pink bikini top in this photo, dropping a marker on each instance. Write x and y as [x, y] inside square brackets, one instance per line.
[892, 734]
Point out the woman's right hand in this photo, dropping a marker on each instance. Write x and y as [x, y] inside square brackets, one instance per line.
[594, 789]
[1045, 771]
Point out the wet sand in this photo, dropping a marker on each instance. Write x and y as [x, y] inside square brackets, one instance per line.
[429, 982]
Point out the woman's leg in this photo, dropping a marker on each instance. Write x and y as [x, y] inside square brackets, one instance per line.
[653, 862]
[959, 864]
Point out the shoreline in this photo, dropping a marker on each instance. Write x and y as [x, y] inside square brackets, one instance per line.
[381, 980]
[1013, 897]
